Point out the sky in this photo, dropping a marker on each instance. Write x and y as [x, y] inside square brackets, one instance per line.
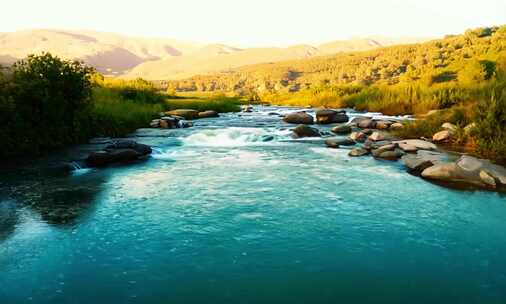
[256, 22]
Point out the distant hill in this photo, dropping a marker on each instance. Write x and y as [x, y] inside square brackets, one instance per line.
[162, 59]
[220, 58]
[108, 53]
[466, 58]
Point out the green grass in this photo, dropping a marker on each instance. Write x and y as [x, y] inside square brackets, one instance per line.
[113, 115]
[219, 104]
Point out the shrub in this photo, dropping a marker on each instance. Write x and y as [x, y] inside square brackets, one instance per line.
[41, 104]
[491, 125]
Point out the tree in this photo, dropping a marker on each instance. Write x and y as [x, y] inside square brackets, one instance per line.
[49, 96]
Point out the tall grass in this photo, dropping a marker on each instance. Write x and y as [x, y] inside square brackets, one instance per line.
[112, 114]
[397, 99]
[219, 104]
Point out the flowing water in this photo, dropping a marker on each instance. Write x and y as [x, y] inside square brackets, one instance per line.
[235, 211]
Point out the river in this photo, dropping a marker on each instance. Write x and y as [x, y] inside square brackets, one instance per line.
[235, 211]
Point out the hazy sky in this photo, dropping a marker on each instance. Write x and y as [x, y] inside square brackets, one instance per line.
[256, 22]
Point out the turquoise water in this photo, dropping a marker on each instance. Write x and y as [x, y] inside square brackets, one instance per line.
[234, 211]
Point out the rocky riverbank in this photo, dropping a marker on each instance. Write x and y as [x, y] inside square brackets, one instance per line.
[421, 156]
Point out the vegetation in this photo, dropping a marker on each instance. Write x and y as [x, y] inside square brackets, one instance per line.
[48, 103]
[43, 104]
[462, 76]
[442, 69]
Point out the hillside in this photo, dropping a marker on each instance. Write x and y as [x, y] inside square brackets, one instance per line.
[219, 58]
[109, 53]
[464, 58]
[157, 58]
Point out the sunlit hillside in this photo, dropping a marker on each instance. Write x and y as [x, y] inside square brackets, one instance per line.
[109, 53]
[466, 58]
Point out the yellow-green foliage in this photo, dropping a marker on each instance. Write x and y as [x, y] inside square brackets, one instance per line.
[221, 104]
[406, 78]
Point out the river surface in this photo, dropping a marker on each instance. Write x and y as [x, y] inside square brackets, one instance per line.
[235, 211]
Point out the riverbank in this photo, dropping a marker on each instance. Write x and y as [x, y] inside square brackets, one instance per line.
[47, 104]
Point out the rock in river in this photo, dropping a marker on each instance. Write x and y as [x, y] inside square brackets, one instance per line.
[299, 118]
[336, 143]
[305, 131]
[357, 152]
[358, 136]
[342, 129]
[120, 151]
[208, 114]
[468, 170]
[377, 136]
[327, 116]
[185, 113]
[417, 143]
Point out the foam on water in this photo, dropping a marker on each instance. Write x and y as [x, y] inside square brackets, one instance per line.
[235, 137]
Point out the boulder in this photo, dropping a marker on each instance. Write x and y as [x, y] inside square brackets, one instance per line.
[99, 159]
[390, 155]
[327, 116]
[305, 131]
[299, 118]
[417, 143]
[121, 151]
[468, 170]
[366, 124]
[383, 124]
[184, 124]
[342, 129]
[372, 145]
[449, 126]
[208, 114]
[378, 151]
[336, 143]
[442, 136]
[408, 148]
[357, 152]
[358, 136]
[416, 164]
[396, 126]
[185, 113]
[377, 136]
[167, 124]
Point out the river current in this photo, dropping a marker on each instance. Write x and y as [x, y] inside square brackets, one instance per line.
[235, 211]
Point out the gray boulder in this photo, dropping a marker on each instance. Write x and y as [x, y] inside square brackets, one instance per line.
[336, 143]
[416, 143]
[299, 118]
[188, 114]
[342, 129]
[327, 116]
[208, 114]
[305, 131]
[120, 151]
[357, 152]
[468, 170]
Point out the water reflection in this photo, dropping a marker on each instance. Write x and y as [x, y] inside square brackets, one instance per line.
[56, 196]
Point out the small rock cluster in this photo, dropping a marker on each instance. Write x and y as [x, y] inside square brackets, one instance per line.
[323, 116]
[180, 118]
[419, 156]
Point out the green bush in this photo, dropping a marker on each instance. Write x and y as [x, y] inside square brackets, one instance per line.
[41, 103]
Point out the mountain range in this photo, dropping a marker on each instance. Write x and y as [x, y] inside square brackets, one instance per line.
[164, 59]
